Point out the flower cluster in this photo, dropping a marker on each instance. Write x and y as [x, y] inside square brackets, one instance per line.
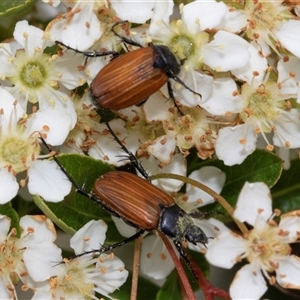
[266, 247]
[238, 84]
[248, 86]
[36, 261]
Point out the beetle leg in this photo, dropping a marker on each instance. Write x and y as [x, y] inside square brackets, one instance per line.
[78, 189]
[113, 246]
[185, 257]
[124, 39]
[199, 214]
[177, 79]
[89, 53]
[131, 157]
[171, 95]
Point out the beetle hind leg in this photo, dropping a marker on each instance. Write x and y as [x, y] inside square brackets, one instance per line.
[133, 160]
[113, 246]
[123, 38]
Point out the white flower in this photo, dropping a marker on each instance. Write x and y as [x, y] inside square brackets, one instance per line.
[193, 129]
[264, 111]
[82, 136]
[18, 255]
[35, 75]
[20, 151]
[266, 246]
[85, 22]
[187, 39]
[81, 277]
[289, 76]
[194, 198]
[269, 21]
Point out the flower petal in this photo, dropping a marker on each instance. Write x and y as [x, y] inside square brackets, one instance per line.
[212, 177]
[287, 133]
[290, 222]
[229, 145]
[248, 283]
[254, 199]
[38, 229]
[74, 32]
[288, 272]
[4, 227]
[48, 181]
[225, 250]
[223, 98]
[90, 237]
[9, 186]
[227, 51]
[134, 11]
[43, 261]
[114, 276]
[288, 34]
[197, 15]
[155, 259]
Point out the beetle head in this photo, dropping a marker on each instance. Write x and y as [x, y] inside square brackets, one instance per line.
[195, 235]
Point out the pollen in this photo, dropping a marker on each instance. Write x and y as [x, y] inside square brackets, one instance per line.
[163, 256]
[265, 246]
[263, 15]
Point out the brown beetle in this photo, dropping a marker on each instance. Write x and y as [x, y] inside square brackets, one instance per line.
[130, 78]
[123, 194]
[142, 205]
[134, 76]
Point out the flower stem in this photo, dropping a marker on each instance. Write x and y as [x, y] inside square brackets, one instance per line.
[184, 280]
[206, 189]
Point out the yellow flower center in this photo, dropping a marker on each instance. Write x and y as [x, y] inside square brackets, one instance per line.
[33, 74]
[263, 104]
[263, 15]
[265, 246]
[73, 283]
[15, 152]
[10, 257]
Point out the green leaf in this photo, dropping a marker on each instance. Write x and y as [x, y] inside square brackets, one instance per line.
[259, 166]
[146, 289]
[7, 210]
[8, 8]
[171, 288]
[76, 210]
[286, 192]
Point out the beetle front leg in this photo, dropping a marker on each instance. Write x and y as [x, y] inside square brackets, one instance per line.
[185, 257]
[124, 39]
[177, 79]
[171, 95]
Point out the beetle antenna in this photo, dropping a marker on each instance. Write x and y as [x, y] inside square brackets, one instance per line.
[131, 157]
[88, 53]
